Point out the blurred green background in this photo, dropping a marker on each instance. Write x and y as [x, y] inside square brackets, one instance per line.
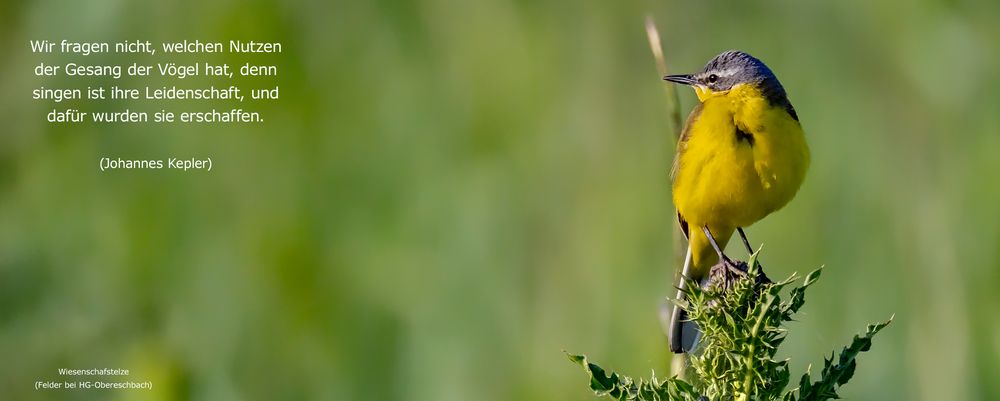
[450, 193]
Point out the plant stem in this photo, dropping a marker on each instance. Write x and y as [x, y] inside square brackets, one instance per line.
[679, 361]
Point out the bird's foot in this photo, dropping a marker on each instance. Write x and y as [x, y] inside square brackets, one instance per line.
[737, 267]
[727, 271]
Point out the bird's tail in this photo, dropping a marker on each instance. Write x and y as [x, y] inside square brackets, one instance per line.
[683, 333]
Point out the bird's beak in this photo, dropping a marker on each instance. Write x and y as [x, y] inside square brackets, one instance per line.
[683, 79]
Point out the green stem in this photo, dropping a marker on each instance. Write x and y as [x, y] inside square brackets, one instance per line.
[748, 376]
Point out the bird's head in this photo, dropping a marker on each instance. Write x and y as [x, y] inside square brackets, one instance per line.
[730, 70]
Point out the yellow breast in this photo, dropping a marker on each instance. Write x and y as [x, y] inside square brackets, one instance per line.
[742, 159]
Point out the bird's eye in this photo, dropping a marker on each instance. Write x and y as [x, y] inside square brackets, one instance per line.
[712, 78]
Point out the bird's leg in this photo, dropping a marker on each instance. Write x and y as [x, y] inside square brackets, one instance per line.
[746, 242]
[730, 265]
[761, 277]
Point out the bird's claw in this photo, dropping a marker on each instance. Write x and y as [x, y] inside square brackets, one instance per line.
[737, 268]
[727, 271]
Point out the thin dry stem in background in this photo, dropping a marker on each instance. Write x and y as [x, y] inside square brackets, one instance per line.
[673, 104]
[678, 362]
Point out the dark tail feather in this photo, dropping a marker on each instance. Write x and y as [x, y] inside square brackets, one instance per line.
[683, 332]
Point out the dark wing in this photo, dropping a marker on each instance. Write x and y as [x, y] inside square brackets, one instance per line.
[684, 225]
[681, 147]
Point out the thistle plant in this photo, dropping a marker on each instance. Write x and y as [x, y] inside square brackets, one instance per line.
[741, 317]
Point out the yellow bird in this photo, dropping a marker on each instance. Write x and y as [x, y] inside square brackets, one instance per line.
[742, 155]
